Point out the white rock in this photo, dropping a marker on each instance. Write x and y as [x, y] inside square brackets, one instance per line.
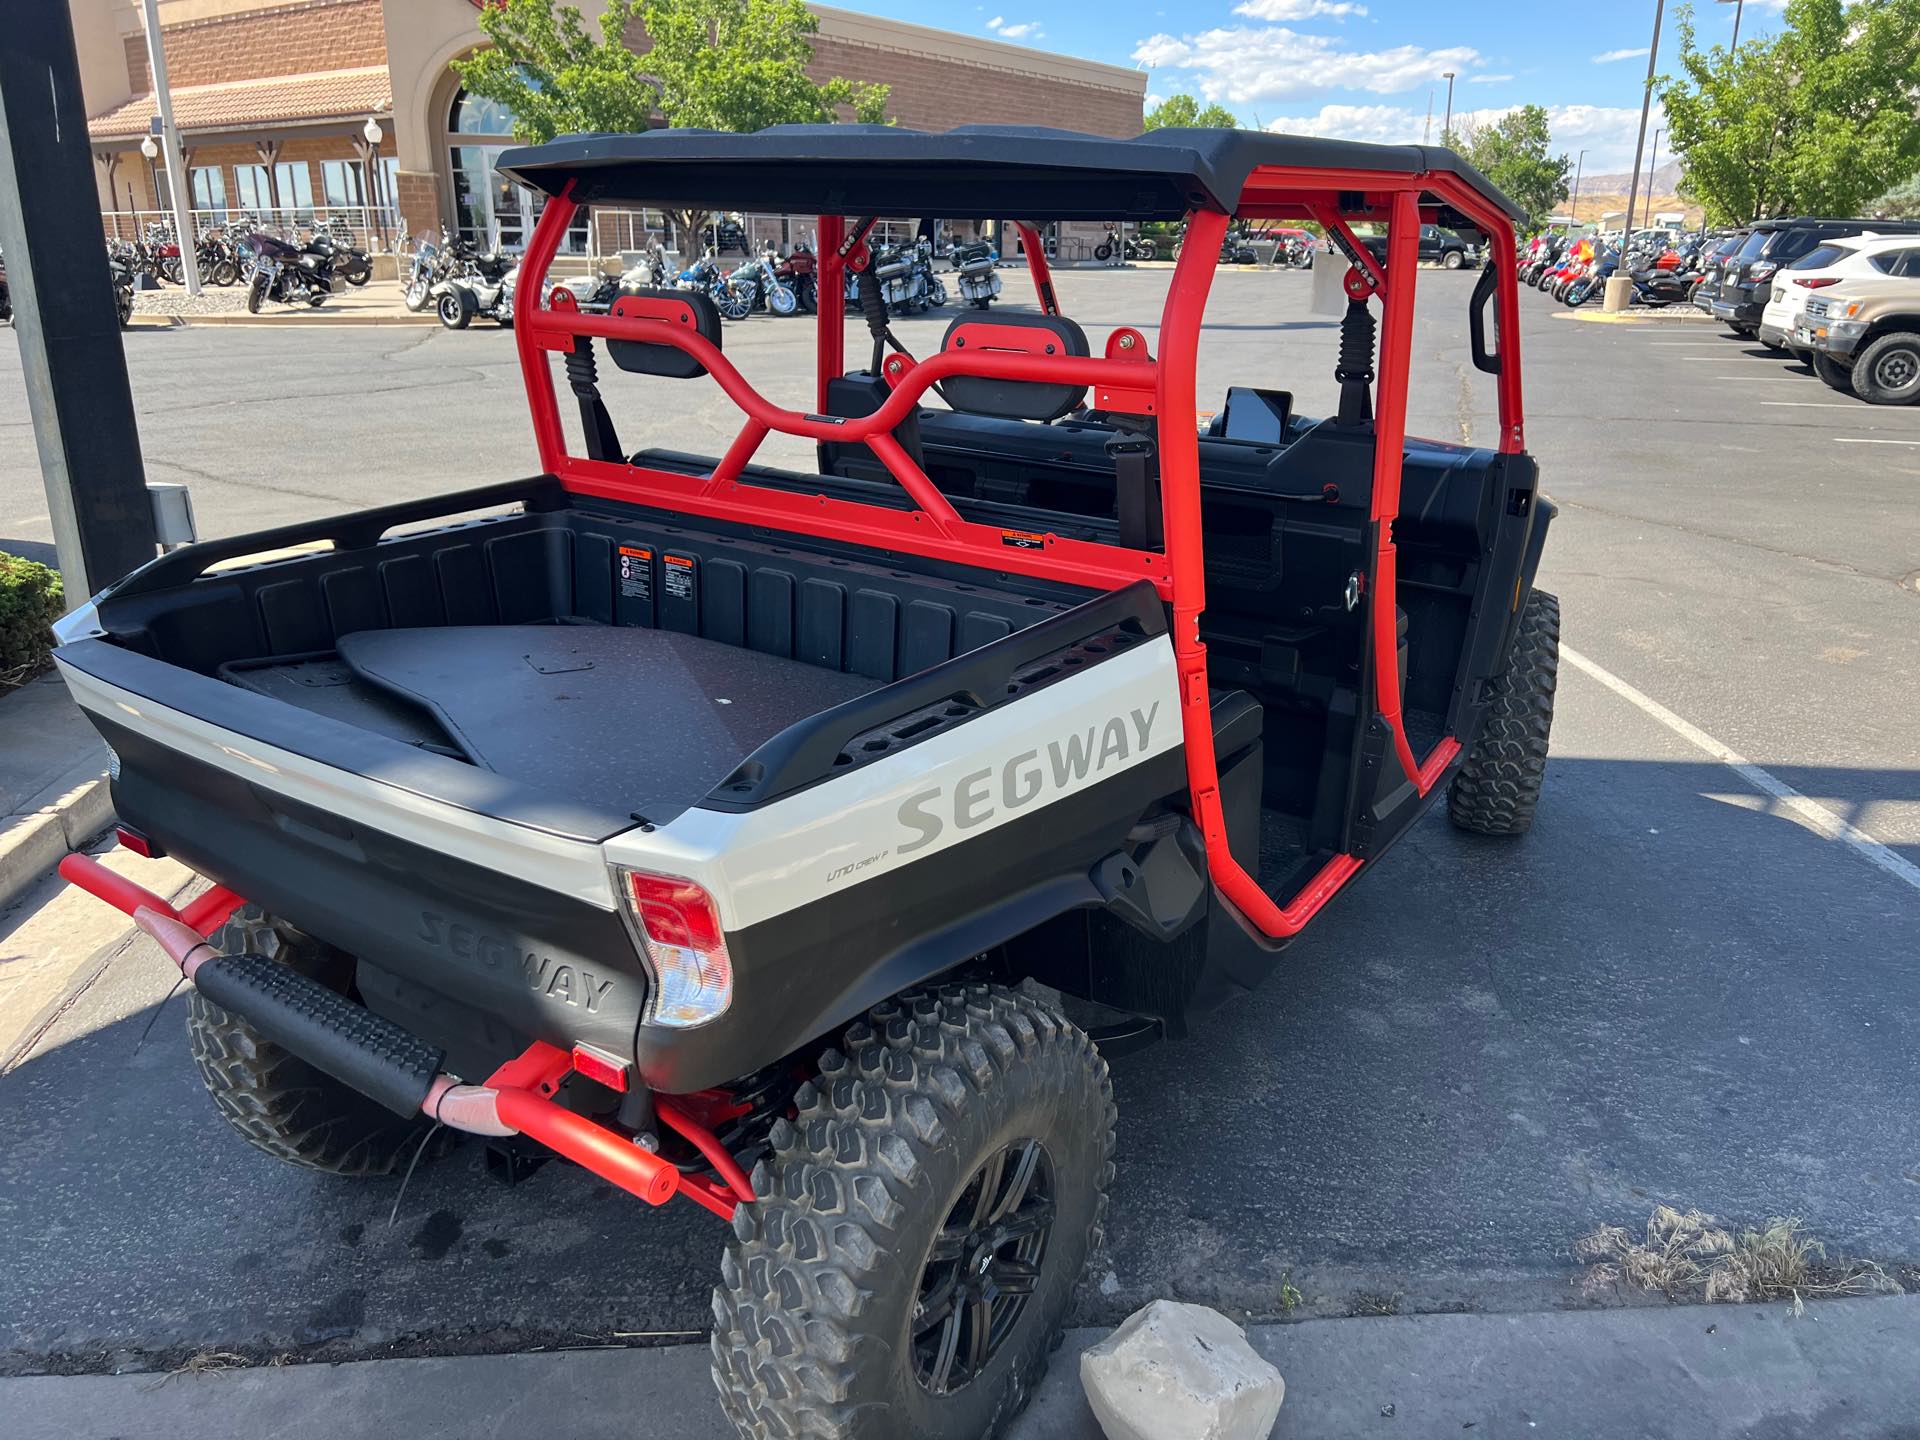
[1180, 1372]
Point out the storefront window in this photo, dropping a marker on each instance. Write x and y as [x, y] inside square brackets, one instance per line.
[251, 192]
[296, 189]
[210, 191]
[486, 204]
[473, 115]
[340, 182]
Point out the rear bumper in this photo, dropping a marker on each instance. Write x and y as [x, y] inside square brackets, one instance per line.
[1773, 334]
[1736, 309]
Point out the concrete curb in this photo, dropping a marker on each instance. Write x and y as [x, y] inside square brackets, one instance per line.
[63, 817]
[308, 318]
[1842, 1372]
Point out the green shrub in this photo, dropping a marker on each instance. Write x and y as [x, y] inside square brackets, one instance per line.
[30, 601]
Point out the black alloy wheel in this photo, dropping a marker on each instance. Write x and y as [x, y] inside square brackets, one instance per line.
[982, 1267]
[1887, 370]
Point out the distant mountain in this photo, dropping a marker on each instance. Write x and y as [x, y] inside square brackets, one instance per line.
[1665, 180]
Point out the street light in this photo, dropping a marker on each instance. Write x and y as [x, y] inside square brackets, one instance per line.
[152, 152]
[1739, 7]
[371, 133]
[1620, 284]
[1446, 126]
[1573, 205]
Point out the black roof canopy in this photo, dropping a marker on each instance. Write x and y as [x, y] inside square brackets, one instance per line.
[975, 171]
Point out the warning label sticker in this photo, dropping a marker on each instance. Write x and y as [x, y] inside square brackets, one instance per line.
[1023, 539]
[679, 576]
[636, 573]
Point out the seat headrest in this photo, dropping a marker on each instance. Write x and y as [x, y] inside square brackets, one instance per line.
[693, 309]
[1014, 399]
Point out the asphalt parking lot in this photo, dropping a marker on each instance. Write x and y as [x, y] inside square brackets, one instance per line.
[1693, 983]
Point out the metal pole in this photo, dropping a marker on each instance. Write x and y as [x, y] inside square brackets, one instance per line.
[1446, 126]
[1653, 164]
[1573, 206]
[170, 145]
[1739, 8]
[71, 360]
[1620, 286]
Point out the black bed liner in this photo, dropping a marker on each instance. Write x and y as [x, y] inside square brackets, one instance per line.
[651, 717]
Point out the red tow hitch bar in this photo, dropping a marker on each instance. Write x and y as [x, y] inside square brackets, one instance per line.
[515, 1100]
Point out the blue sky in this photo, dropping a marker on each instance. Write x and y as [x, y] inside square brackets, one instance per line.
[1367, 69]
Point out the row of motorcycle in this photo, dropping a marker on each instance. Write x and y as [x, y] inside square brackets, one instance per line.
[1574, 269]
[282, 268]
[463, 282]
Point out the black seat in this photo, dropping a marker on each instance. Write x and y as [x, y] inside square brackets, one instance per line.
[1237, 721]
[1015, 399]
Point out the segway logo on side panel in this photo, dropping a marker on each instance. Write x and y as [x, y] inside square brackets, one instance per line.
[976, 798]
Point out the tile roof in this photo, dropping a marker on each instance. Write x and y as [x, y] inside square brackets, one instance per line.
[256, 104]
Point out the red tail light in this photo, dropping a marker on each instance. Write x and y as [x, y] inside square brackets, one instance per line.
[679, 925]
[132, 839]
[1819, 284]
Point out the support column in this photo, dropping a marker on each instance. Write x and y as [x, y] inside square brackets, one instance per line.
[70, 352]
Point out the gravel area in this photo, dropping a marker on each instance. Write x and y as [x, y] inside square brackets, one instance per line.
[173, 300]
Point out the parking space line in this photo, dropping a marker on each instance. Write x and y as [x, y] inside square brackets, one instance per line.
[1812, 812]
[1857, 440]
[1816, 404]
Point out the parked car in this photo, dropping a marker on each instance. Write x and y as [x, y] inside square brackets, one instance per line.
[1863, 335]
[1746, 285]
[1829, 264]
[1714, 267]
[1438, 246]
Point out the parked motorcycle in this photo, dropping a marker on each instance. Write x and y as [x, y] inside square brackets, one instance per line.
[6, 296]
[286, 274]
[479, 285]
[726, 233]
[1132, 247]
[1294, 252]
[978, 279]
[122, 291]
[800, 272]
[428, 266]
[765, 290]
[344, 261]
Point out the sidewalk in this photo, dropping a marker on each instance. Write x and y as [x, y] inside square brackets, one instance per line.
[378, 303]
[53, 785]
[1843, 1371]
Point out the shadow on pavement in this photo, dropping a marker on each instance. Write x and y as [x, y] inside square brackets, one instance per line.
[1482, 1051]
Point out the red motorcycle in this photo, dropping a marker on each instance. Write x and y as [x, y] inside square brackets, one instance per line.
[799, 269]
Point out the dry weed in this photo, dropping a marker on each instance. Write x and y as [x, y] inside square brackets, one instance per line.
[1689, 1254]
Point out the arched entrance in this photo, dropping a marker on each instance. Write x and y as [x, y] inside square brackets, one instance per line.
[485, 202]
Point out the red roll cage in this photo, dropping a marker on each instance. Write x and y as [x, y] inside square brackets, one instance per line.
[1163, 387]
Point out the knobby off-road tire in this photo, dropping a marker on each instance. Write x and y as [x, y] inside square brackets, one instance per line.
[824, 1319]
[1498, 788]
[279, 1102]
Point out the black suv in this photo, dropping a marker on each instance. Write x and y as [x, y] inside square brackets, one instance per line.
[1715, 256]
[1438, 246]
[1741, 296]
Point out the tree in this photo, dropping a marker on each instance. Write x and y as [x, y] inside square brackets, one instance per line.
[1816, 120]
[717, 64]
[1513, 152]
[1183, 112]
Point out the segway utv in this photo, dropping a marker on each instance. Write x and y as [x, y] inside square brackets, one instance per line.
[801, 843]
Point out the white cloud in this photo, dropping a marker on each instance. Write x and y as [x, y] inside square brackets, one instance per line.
[1605, 132]
[1607, 57]
[1246, 65]
[1025, 30]
[1297, 9]
[1488, 79]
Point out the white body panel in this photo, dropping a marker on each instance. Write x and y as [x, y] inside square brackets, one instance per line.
[1013, 759]
[1786, 300]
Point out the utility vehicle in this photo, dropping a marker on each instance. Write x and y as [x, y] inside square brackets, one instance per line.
[751, 835]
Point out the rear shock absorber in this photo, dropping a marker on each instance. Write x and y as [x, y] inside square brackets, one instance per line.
[1355, 368]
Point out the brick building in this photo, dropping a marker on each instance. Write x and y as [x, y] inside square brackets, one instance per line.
[272, 97]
